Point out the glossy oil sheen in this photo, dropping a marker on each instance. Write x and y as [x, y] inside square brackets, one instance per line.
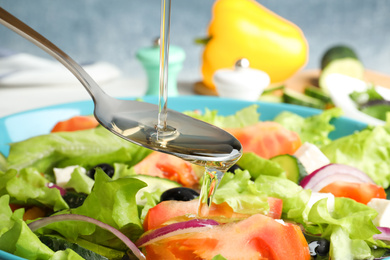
[185, 137]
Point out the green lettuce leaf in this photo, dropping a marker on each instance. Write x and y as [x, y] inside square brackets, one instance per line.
[67, 254]
[80, 182]
[353, 217]
[29, 187]
[84, 148]
[344, 248]
[367, 150]
[122, 170]
[219, 257]
[3, 163]
[313, 129]
[239, 191]
[152, 199]
[16, 237]
[294, 197]
[112, 202]
[257, 166]
[244, 117]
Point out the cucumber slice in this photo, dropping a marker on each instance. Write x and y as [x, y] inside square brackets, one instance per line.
[318, 93]
[340, 59]
[273, 94]
[273, 89]
[155, 185]
[271, 98]
[296, 98]
[292, 166]
[3, 163]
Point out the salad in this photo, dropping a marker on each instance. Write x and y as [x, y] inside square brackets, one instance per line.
[294, 194]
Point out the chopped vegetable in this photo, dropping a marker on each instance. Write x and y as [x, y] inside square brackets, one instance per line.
[340, 59]
[74, 217]
[194, 225]
[75, 124]
[360, 192]
[244, 28]
[254, 206]
[267, 139]
[330, 173]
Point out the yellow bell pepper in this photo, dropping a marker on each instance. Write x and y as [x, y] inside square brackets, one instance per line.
[246, 29]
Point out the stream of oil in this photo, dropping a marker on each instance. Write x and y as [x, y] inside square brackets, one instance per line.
[214, 168]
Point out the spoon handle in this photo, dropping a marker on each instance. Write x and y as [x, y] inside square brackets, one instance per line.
[13, 23]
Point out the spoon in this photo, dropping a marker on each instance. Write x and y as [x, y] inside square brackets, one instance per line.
[185, 137]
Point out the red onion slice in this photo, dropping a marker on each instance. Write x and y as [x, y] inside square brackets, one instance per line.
[75, 217]
[194, 225]
[385, 235]
[331, 173]
[55, 186]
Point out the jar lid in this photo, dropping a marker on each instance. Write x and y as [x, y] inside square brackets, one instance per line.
[241, 82]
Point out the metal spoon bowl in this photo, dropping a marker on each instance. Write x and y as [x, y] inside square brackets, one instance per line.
[135, 121]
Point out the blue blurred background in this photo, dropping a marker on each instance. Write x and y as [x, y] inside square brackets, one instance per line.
[112, 31]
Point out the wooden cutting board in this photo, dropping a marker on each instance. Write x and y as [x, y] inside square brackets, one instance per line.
[305, 78]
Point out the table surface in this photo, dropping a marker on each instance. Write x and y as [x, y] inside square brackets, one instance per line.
[18, 99]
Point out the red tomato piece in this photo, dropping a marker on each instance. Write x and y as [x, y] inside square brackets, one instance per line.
[30, 213]
[169, 210]
[33, 213]
[257, 237]
[361, 192]
[170, 167]
[267, 139]
[76, 123]
[14, 207]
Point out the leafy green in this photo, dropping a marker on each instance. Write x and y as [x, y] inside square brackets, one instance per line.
[67, 254]
[122, 170]
[29, 187]
[361, 97]
[113, 201]
[377, 110]
[294, 197]
[345, 248]
[110, 201]
[3, 162]
[57, 243]
[313, 129]
[257, 166]
[349, 224]
[84, 148]
[239, 191]
[152, 199]
[16, 237]
[355, 218]
[367, 150]
[80, 182]
[244, 117]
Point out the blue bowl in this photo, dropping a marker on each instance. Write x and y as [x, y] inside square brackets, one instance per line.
[20, 126]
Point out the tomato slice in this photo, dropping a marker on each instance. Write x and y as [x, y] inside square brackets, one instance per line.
[360, 192]
[267, 139]
[170, 167]
[167, 211]
[30, 213]
[257, 237]
[76, 123]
